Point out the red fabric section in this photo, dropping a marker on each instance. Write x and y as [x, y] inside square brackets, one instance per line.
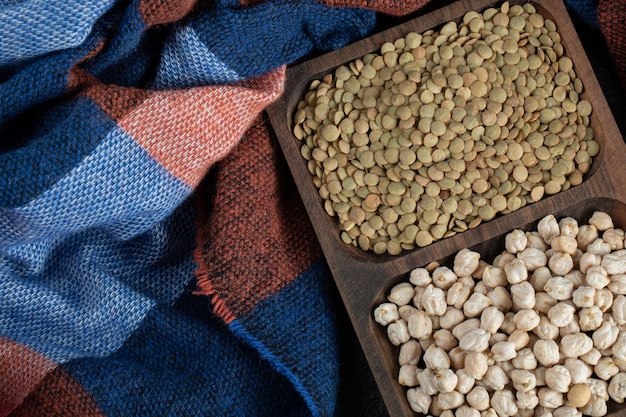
[117, 101]
[159, 12]
[612, 18]
[21, 370]
[58, 395]
[189, 130]
[256, 236]
[392, 7]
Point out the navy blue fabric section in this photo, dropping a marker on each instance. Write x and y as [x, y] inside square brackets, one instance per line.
[296, 330]
[131, 68]
[32, 167]
[158, 263]
[183, 361]
[85, 294]
[585, 9]
[277, 32]
[131, 53]
[38, 82]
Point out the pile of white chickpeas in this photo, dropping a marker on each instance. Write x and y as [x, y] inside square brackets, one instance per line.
[539, 331]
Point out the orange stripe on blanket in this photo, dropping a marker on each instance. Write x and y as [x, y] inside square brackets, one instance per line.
[21, 370]
[255, 237]
[187, 131]
[116, 101]
[159, 12]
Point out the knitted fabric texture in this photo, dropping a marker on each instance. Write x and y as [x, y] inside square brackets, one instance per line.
[155, 258]
[612, 18]
[586, 10]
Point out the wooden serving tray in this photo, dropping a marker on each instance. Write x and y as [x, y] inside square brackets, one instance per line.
[363, 278]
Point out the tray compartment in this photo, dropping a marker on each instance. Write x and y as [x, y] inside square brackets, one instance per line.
[388, 364]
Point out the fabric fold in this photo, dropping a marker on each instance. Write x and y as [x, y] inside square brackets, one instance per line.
[155, 257]
[103, 151]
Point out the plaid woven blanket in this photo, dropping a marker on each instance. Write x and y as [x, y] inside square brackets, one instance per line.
[155, 259]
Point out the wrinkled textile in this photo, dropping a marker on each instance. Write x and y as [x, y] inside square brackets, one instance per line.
[155, 258]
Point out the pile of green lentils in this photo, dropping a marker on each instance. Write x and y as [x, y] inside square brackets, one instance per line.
[440, 131]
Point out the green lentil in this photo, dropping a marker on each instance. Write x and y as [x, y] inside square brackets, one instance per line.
[440, 131]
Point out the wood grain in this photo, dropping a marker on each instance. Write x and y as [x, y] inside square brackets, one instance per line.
[363, 279]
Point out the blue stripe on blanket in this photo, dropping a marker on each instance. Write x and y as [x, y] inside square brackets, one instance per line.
[76, 262]
[307, 319]
[36, 83]
[73, 307]
[131, 51]
[186, 61]
[32, 28]
[118, 188]
[29, 170]
[186, 363]
[586, 9]
[274, 33]
[84, 295]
